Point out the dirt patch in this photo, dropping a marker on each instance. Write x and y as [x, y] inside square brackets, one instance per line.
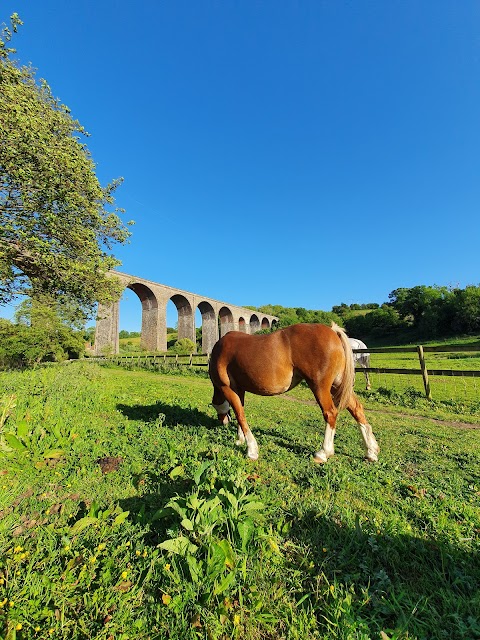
[109, 464]
[445, 423]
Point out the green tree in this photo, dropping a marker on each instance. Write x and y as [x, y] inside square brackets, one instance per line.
[39, 334]
[58, 225]
[466, 310]
[413, 303]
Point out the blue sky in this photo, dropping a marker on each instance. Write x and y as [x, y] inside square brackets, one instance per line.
[289, 152]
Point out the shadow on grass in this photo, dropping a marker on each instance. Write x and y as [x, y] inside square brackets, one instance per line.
[173, 414]
[412, 587]
[191, 417]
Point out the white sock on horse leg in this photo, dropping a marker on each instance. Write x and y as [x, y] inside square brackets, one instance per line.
[252, 445]
[327, 450]
[371, 446]
[241, 436]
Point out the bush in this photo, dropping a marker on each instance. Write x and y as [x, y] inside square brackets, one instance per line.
[184, 345]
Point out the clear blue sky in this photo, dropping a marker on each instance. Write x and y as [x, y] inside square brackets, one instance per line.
[301, 153]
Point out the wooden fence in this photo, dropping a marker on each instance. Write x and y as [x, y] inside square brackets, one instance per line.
[423, 370]
[202, 360]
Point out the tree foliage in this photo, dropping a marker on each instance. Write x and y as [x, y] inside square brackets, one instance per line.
[44, 330]
[58, 224]
[421, 312]
[293, 315]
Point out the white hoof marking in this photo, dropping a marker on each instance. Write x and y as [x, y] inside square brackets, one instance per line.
[320, 457]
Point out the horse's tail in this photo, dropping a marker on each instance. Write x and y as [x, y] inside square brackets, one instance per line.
[343, 391]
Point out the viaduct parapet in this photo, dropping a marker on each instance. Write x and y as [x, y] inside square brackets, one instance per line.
[217, 317]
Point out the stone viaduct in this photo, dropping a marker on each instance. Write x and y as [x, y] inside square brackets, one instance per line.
[217, 317]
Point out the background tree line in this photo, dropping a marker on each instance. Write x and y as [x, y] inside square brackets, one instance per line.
[420, 312]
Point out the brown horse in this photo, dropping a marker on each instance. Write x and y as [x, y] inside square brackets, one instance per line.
[271, 364]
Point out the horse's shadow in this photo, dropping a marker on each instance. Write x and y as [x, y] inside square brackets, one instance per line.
[172, 415]
[281, 440]
[169, 414]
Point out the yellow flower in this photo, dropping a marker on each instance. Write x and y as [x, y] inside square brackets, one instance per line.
[167, 567]
[37, 628]
[124, 574]
[144, 554]
[19, 626]
[93, 559]
[127, 544]
[11, 603]
[332, 588]
[236, 619]
[324, 549]
[137, 553]
[166, 599]
[17, 549]
[101, 546]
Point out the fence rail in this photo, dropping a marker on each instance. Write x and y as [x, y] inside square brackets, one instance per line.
[192, 359]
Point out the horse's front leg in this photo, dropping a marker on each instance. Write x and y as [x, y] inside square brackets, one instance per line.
[244, 433]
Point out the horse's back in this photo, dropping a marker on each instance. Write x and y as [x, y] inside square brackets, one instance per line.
[273, 363]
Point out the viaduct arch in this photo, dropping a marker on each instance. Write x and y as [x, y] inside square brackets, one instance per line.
[218, 318]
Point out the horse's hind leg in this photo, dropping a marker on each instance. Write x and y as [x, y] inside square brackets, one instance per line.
[241, 436]
[371, 447]
[367, 377]
[244, 433]
[330, 413]
[367, 365]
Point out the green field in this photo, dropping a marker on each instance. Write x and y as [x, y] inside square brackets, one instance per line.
[127, 512]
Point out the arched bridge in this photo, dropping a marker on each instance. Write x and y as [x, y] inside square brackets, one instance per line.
[217, 317]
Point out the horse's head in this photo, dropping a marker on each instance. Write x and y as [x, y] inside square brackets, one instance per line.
[223, 411]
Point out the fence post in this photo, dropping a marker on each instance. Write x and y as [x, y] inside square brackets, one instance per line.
[423, 367]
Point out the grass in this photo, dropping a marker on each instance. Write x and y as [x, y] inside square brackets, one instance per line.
[127, 512]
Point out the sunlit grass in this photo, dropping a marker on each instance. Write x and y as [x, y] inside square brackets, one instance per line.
[119, 468]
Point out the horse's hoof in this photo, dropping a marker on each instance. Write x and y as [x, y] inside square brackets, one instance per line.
[252, 456]
[320, 458]
[371, 458]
